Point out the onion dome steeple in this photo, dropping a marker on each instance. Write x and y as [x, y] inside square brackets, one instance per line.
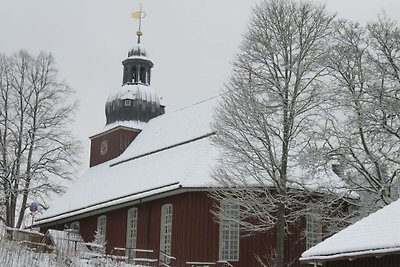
[135, 100]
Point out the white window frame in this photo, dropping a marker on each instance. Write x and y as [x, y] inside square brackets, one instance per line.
[229, 231]
[128, 102]
[166, 233]
[131, 233]
[313, 231]
[102, 227]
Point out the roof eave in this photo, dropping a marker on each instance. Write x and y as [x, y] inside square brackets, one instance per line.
[113, 129]
[169, 190]
[352, 255]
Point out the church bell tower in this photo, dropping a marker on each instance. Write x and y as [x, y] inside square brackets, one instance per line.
[129, 107]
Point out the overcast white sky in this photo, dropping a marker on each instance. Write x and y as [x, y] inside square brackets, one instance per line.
[191, 43]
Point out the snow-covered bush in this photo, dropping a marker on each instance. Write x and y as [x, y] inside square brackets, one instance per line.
[18, 254]
[99, 244]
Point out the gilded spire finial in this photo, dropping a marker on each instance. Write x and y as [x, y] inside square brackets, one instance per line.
[139, 15]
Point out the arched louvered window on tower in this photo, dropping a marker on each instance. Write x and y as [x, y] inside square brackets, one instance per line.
[143, 75]
[134, 75]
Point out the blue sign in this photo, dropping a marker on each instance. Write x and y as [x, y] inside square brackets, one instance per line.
[33, 207]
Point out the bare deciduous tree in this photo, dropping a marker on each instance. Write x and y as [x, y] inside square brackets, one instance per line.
[365, 139]
[269, 115]
[37, 147]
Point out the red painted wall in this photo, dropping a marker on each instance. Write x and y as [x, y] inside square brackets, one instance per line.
[195, 234]
[88, 228]
[117, 141]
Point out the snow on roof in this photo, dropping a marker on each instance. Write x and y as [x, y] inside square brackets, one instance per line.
[186, 165]
[375, 234]
[320, 179]
[135, 91]
[139, 57]
[138, 51]
[173, 128]
[172, 149]
[129, 124]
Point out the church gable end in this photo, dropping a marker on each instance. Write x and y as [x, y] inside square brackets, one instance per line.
[111, 144]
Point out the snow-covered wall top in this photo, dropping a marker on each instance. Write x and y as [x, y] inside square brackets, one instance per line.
[378, 233]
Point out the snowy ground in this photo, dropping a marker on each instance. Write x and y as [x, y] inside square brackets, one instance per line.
[14, 254]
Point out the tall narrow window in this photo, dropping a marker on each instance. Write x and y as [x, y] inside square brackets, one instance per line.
[166, 233]
[101, 228]
[313, 230]
[131, 233]
[229, 232]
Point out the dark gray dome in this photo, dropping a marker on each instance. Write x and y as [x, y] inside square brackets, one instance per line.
[133, 102]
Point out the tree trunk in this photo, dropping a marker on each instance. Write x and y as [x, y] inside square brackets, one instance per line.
[280, 236]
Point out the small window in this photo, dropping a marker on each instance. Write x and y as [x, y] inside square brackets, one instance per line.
[229, 232]
[128, 102]
[313, 231]
[131, 233]
[166, 233]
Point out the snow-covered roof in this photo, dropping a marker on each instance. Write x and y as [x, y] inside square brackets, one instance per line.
[174, 128]
[135, 91]
[375, 235]
[172, 151]
[139, 57]
[138, 51]
[124, 124]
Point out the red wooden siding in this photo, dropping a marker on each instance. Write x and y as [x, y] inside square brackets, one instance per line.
[118, 141]
[195, 234]
[88, 228]
[116, 229]
[148, 234]
[295, 244]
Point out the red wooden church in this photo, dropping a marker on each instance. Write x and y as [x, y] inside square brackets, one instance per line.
[146, 188]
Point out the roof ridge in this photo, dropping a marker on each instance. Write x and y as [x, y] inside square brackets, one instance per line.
[162, 149]
[195, 104]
